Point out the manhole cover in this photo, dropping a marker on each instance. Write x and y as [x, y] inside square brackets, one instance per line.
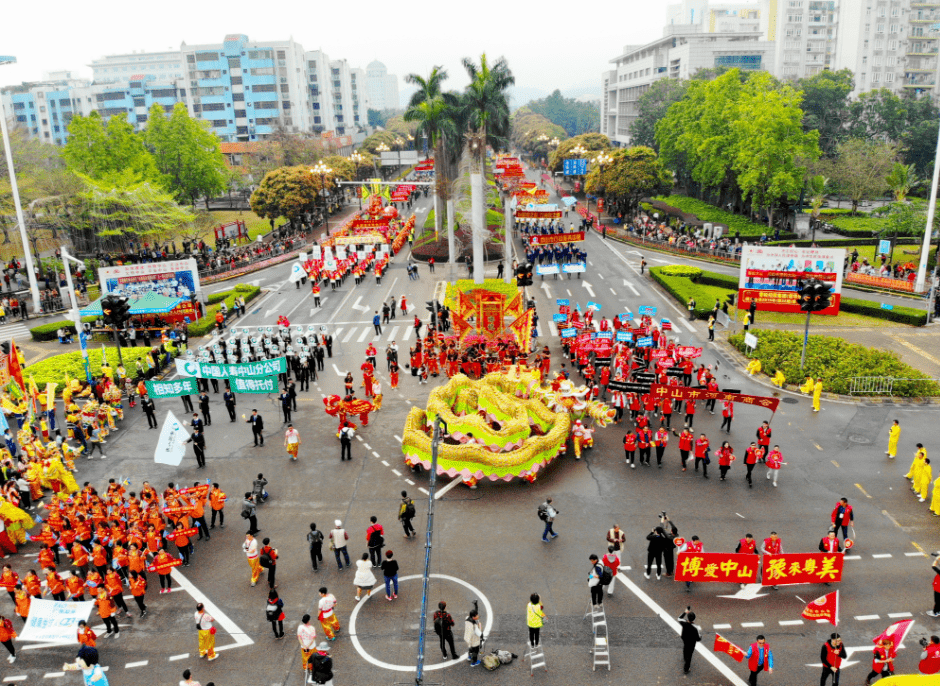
[861, 440]
[791, 401]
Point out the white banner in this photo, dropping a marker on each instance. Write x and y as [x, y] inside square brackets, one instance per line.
[316, 252]
[296, 272]
[53, 621]
[171, 447]
[340, 252]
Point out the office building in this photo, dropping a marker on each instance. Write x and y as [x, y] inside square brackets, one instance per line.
[382, 87]
[245, 89]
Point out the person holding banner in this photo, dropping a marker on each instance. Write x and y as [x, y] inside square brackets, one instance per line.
[759, 658]
[831, 654]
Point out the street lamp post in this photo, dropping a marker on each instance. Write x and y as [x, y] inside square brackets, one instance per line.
[357, 160]
[323, 170]
[27, 256]
[380, 148]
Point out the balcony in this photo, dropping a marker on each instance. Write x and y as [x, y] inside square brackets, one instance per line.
[920, 70]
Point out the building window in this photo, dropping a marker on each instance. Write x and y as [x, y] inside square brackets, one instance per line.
[240, 114]
[285, 105]
[316, 120]
[894, 28]
[266, 105]
[238, 97]
[207, 57]
[285, 88]
[236, 80]
[209, 74]
[259, 54]
[234, 63]
[889, 77]
[218, 123]
[263, 71]
[213, 107]
[265, 88]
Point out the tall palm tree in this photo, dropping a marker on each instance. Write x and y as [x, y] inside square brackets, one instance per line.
[486, 110]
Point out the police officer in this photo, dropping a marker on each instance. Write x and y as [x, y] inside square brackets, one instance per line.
[146, 404]
[199, 446]
[229, 399]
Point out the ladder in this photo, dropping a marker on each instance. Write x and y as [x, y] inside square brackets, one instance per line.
[536, 657]
[601, 648]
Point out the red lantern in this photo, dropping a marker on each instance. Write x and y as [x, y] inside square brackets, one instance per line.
[390, 211]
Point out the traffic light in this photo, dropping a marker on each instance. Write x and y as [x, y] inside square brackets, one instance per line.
[5, 347]
[433, 307]
[524, 274]
[814, 296]
[116, 310]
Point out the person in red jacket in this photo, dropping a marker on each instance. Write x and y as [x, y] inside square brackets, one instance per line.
[686, 441]
[842, 517]
[882, 660]
[764, 433]
[725, 458]
[712, 386]
[634, 402]
[644, 437]
[728, 413]
[751, 456]
[936, 589]
[694, 545]
[667, 414]
[660, 441]
[759, 658]
[774, 463]
[701, 454]
[689, 413]
[629, 448]
[831, 654]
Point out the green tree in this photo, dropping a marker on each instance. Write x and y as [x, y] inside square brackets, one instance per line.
[573, 116]
[486, 101]
[826, 106]
[772, 140]
[918, 139]
[817, 186]
[877, 115]
[592, 142]
[377, 117]
[99, 150]
[860, 169]
[187, 153]
[533, 132]
[634, 173]
[287, 192]
[652, 106]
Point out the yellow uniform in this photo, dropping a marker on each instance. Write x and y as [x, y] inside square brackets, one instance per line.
[935, 501]
[922, 482]
[753, 367]
[808, 386]
[817, 394]
[779, 379]
[918, 462]
[894, 433]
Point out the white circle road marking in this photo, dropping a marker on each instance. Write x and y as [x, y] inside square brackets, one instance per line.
[403, 668]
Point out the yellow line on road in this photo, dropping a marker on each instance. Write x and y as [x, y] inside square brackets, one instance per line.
[920, 351]
[835, 463]
[859, 487]
[919, 549]
[818, 447]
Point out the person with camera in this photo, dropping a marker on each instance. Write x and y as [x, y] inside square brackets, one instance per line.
[654, 551]
[930, 657]
[691, 634]
[596, 578]
[473, 636]
[671, 533]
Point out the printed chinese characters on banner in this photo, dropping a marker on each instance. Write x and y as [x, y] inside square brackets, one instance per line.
[734, 568]
[801, 568]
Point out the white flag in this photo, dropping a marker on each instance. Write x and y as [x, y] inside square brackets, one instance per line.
[296, 272]
[172, 444]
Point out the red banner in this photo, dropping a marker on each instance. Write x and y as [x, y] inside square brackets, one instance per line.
[542, 214]
[548, 239]
[371, 223]
[880, 282]
[176, 533]
[688, 351]
[200, 490]
[728, 568]
[801, 568]
[780, 301]
[723, 645]
[179, 510]
[165, 567]
[683, 393]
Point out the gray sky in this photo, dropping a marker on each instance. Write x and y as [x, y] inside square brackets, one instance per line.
[547, 47]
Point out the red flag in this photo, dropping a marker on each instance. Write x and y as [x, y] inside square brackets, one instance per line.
[826, 607]
[723, 645]
[896, 632]
[13, 365]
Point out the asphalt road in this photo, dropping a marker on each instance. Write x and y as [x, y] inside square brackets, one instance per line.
[487, 541]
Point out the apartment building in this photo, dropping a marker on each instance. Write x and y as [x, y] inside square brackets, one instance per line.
[382, 87]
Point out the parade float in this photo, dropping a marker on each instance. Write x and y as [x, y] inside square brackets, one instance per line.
[503, 426]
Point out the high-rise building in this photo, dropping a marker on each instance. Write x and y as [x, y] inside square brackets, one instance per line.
[244, 89]
[382, 87]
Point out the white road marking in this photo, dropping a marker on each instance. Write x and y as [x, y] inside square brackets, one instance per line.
[899, 615]
[881, 556]
[357, 306]
[613, 291]
[398, 438]
[554, 329]
[630, 286]
[336, 333]
[569, 292]
[721, 626]
[423, 490]
[914, 555]
[240, 637]
[740, 515]
[409, 482]
[866, 618]
[396, 472]
[394, 333]
[338, 372]
[363, 335]
[408, 331]
[445, 489]
[367, 446]
[600, 275]
[724, 669]
[349, 335]
[11, 679]
[752, 625]
[359, 438]
[386, 463]
[375, 453]
[851, 557]
[53, 675]
[175, 658]
[141, 663]
[791, 622]
[687, 324]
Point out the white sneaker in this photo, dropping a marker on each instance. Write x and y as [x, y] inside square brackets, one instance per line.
[646, 575]
[659, 577]
[775, 484]
[11, 659]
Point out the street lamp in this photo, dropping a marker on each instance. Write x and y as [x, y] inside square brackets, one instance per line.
[600, 161]
[380, 148]
[27, 256]
[323, 170]
[357, 160]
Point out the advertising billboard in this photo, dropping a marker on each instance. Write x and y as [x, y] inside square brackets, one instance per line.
[771, 276]
[174, 279]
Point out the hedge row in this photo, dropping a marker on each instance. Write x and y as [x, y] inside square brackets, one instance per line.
[682, 289]
[710, 213]
[54, 369]
[842, 242]
[49, 332]
[836, 360]
[207, 323]
[900, 314]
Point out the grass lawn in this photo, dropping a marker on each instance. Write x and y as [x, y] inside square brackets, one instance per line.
[256, 225]
[902, 253]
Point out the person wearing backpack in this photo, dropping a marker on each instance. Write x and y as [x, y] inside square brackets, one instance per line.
[691, 634]
[473, 637]
[268, 560]
[321, 666]
[547, 514]
[444, 628]
[596, 579]
[375, 538]
[611, 562]
[274, 613]
[315, 539]
[406, 513]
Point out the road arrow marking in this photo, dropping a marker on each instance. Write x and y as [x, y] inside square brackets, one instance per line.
[357, 306]
[589, 288]
[548, 291]
[273, 310]
[630, 286]
[749, 592]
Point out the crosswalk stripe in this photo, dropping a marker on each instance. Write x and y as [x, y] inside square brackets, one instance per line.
[362, 337]
[394, 333]
[349, 335]
[551, 325]
[407, 335]
[14, 331]
[336, 333]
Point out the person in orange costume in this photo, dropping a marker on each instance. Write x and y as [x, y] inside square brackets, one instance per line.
[162, 558]
[76, 586]
[86, 636]
[138, 584]
[106, 612]
[115, 589]
[22, 601]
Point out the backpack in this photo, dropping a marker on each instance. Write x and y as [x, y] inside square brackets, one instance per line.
[265, 560]
[491, 662]
[376, 540]
[438, 625]
[543, 512]
[410, 508]
[505, 657]
[606, 576]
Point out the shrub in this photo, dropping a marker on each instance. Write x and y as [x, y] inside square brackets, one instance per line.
[710, 213]
[836, 360]
[53, 369]
[682, 270]
[467, 285]
[47, 332]
[682, 289]
[854, 226]
[869, 308]
[207, 323]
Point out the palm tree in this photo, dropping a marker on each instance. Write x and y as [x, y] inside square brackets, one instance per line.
[900, 180]
[486, 110]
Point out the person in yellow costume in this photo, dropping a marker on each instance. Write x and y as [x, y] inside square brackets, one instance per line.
[779, 379]
[55, 472]
[918, 462]
[894, 434]
[935, 500]
[16, 520]
[34, 479]
[817, 394]
[922, 482]
[753, 367]
[807, 387]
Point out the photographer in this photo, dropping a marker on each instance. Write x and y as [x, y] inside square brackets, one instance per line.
[671, 533]
[691, 634]
[930, 658]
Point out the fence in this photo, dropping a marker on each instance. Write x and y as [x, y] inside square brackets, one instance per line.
[889, 385]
